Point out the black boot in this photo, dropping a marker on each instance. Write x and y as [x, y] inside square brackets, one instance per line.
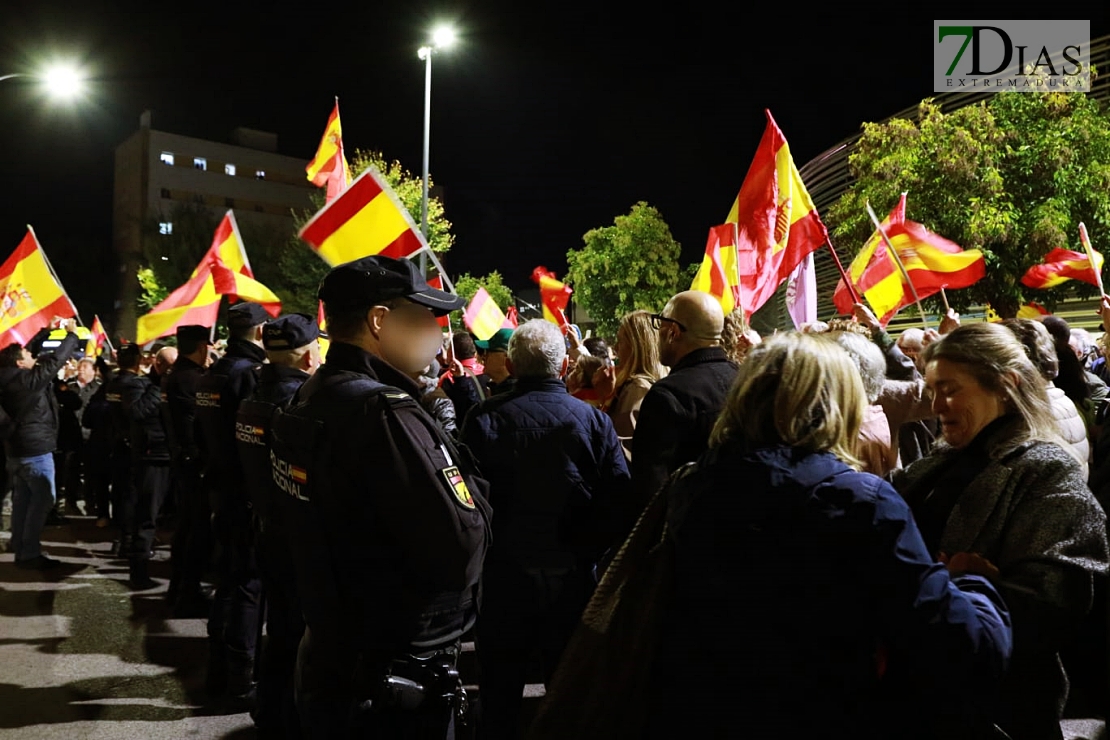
[240, 678]
[215, 679]
[140, 578]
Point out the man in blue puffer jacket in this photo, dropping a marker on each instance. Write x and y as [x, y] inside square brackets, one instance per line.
[556, 471]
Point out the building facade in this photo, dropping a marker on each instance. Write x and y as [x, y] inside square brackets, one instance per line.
[156, 172]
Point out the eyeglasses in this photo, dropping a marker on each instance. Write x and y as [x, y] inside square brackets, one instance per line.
[657, 320]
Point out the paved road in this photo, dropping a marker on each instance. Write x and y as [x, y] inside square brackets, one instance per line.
[81, 656]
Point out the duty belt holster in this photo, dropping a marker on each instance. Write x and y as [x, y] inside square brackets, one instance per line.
[414, 684]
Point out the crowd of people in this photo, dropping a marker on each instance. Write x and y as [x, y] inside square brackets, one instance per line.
[868, 536]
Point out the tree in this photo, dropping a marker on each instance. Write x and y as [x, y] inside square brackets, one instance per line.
[1012, 176]
[467, 285]
[630, 265]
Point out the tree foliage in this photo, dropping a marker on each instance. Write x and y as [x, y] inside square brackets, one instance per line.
[466, 285]
[1013, 176]
[630, 265]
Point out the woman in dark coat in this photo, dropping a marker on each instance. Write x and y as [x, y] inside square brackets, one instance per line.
[1005, 496]
[805, 603]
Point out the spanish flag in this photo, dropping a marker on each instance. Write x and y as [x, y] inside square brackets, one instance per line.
[98, 337]
[554, 296]
[1061, 265]
[717, 274]
[329, 167]
[32, 296]
[224, 270]
[367, 219]
[483, 316]
[873, 273]
[778, 224]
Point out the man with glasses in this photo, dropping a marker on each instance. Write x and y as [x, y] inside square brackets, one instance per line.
[679, 411]
[390, 526]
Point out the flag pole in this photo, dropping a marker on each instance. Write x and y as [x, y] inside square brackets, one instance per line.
[739, 288]
[1091, 256]
[898, 261]
[843, 275]
[944, 297]
[54, 275]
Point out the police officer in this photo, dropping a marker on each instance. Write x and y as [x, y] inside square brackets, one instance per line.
[392, 524]
[150, 472]
[233, 622]
[120, 392]
[192, 540]
[293, 350]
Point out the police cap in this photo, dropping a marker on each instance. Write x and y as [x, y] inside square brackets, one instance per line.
[246, 314]
[290, 332]
[194, 333]
[372, 280]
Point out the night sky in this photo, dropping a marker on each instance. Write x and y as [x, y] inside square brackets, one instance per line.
[547, 120]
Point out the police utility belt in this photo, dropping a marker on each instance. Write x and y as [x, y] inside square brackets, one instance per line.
[411, 683]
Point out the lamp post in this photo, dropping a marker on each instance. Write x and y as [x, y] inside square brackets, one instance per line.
[60, 81]
[442, 39]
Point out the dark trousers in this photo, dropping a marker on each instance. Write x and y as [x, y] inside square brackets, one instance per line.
[97, 466]
[192, 537]
[123, 505]
[151, 482]
[234, 618]
[284, 629]
[67, 471]
[525, 614]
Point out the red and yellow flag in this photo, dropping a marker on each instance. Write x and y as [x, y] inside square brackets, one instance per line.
[224, 270]
[717, 274]
[367, 219]
[31, 296]
[777, 222]
[329, 167]
[97, 337]
[1061, 265]
[873, 273]
[483, 316]
[554, 296]
[323, 340]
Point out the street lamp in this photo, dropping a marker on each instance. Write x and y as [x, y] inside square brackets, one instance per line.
[442, 38]
[61, 81]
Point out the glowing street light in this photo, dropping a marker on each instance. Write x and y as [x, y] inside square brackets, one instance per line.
[443, 38]
[60, 81]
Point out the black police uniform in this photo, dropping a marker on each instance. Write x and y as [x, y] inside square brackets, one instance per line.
[390, 532]
[284, 624]
[192, 539]
[233, 623]
[120, 392]
[150, 461]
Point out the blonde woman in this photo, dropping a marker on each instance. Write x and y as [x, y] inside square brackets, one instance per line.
[804, 597]
[623, 387]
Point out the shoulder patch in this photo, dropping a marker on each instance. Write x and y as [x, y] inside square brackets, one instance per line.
[457, 483]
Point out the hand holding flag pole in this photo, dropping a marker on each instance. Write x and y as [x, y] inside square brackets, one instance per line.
[1091, 256]
[897, 261]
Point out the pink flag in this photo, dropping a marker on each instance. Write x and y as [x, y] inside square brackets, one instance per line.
[801, 293]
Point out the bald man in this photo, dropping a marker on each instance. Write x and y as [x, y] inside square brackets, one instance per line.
[679, 411]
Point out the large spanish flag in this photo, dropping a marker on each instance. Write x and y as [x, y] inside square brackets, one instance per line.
[224, 270]
[329, 167]
[31, 296]
[1061, 265]
[367, 219]
[873, 272]
[778, 224]
[717, 274]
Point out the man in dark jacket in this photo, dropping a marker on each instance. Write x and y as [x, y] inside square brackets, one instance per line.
[192, 538]
[554, 464]
[679, 411]
[233, 623]
[27, 396]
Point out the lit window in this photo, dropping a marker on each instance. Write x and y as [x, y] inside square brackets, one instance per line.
[200, 163]
[229, 169]
[167, 158]
[260, 174]
[165, 227]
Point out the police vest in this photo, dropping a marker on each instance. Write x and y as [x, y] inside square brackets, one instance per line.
[252, 439]
[216, 407]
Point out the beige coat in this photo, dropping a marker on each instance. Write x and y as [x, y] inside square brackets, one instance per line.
[625, 409]
[1071, 425]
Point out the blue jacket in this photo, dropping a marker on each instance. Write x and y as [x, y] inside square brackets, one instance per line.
[555, 468]
[806, 604]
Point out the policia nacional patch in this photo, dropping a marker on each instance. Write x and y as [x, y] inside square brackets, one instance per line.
[458, 485]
